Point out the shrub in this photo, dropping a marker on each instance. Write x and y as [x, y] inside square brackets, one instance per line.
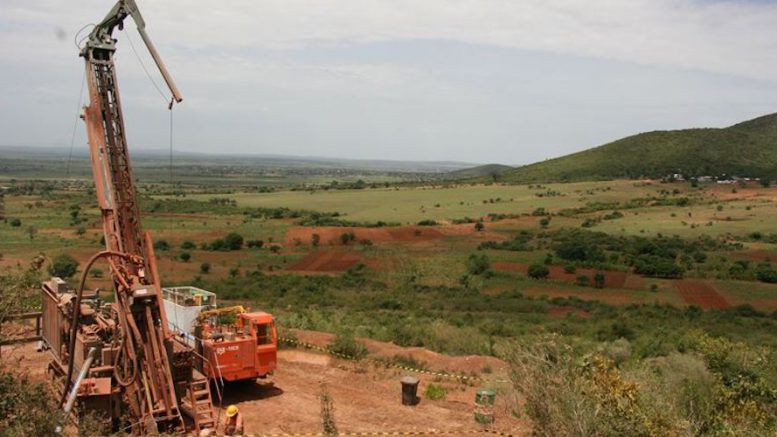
[435, 392]
[599, 279]
[478, 264]
[205, 268]
[185, 256]
[347, 237]
[63, 266]
[95, 272]
[544, 222]
[766, 273]
[16, 222]
[570, 268]
[188, 245]
[233, 241]
[161, 246]
[345, 344]
[479, 226]
[254, 244]
[315, 240]
[538, 271]
[582, 280]
[427, 222]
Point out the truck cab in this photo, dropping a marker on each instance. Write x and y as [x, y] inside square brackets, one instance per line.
[245, 350]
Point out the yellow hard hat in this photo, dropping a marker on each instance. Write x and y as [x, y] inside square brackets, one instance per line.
[231, 410]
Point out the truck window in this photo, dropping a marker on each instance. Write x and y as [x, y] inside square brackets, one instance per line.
[263, 333]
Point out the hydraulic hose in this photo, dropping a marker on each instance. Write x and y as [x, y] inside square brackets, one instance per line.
[77, 314]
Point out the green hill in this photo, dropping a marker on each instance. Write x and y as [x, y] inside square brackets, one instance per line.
[745, 149]
[487, 170]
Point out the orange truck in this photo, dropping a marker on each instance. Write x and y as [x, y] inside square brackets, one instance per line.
[233, 344]
[239, 349]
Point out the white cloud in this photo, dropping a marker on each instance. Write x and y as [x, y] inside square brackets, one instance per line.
[729, 37]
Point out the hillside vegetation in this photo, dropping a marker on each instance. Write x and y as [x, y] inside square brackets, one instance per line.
[745, 149]
[487, 170]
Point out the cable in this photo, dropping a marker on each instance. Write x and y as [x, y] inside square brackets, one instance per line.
[77, 314]
[159, 90]
[75, 125]
[77, 41]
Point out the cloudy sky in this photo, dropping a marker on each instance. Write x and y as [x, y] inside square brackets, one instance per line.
[467, 80]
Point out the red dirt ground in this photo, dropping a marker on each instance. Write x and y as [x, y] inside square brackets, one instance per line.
[612, 279]
[467, 364]
[611, 297]
[366, 397]
[326, 261]
[700, 293]
[330, 235]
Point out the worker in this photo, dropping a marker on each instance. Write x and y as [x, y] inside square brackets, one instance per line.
[233, 424]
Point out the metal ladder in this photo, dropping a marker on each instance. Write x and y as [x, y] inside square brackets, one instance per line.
[199, 404]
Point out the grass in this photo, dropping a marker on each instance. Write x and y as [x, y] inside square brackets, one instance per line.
[746, 149]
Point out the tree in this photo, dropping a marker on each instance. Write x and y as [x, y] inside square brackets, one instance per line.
[478, 264]
[347, 237]
[233, 241]
[188, 245]
[538, 271]
[205, 268]
[161, 246]
[63, 266]
[599, 280]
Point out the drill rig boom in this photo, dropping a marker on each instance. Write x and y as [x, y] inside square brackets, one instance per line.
[143, 370]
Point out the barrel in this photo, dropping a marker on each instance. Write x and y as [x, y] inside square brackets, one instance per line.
[484, 406]
[409, 390]
[485, 397]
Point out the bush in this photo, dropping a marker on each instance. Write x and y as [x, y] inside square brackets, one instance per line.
[538, 271]
[188, 245]
[185, 256]
[161, 246]
[63, 266]
[478, 264]
[26, 407]
[435, 392]
[766, 273]
[347, 237]
[599, 279]
[233, 241]
[315, 240]
[205, 268]
[15, 222]
[582, 280]
[427, 222]
[479, 226]
[345, 344]
[255, 244]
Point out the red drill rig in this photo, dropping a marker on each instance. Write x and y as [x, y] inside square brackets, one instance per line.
[130, 368]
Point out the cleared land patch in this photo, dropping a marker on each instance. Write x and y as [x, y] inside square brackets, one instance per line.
[701, 294]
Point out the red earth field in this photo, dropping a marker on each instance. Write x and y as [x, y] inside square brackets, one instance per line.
[612, 279]
[700, 293]
[366, 397]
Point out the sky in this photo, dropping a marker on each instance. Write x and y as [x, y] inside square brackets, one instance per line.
[479, 81]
